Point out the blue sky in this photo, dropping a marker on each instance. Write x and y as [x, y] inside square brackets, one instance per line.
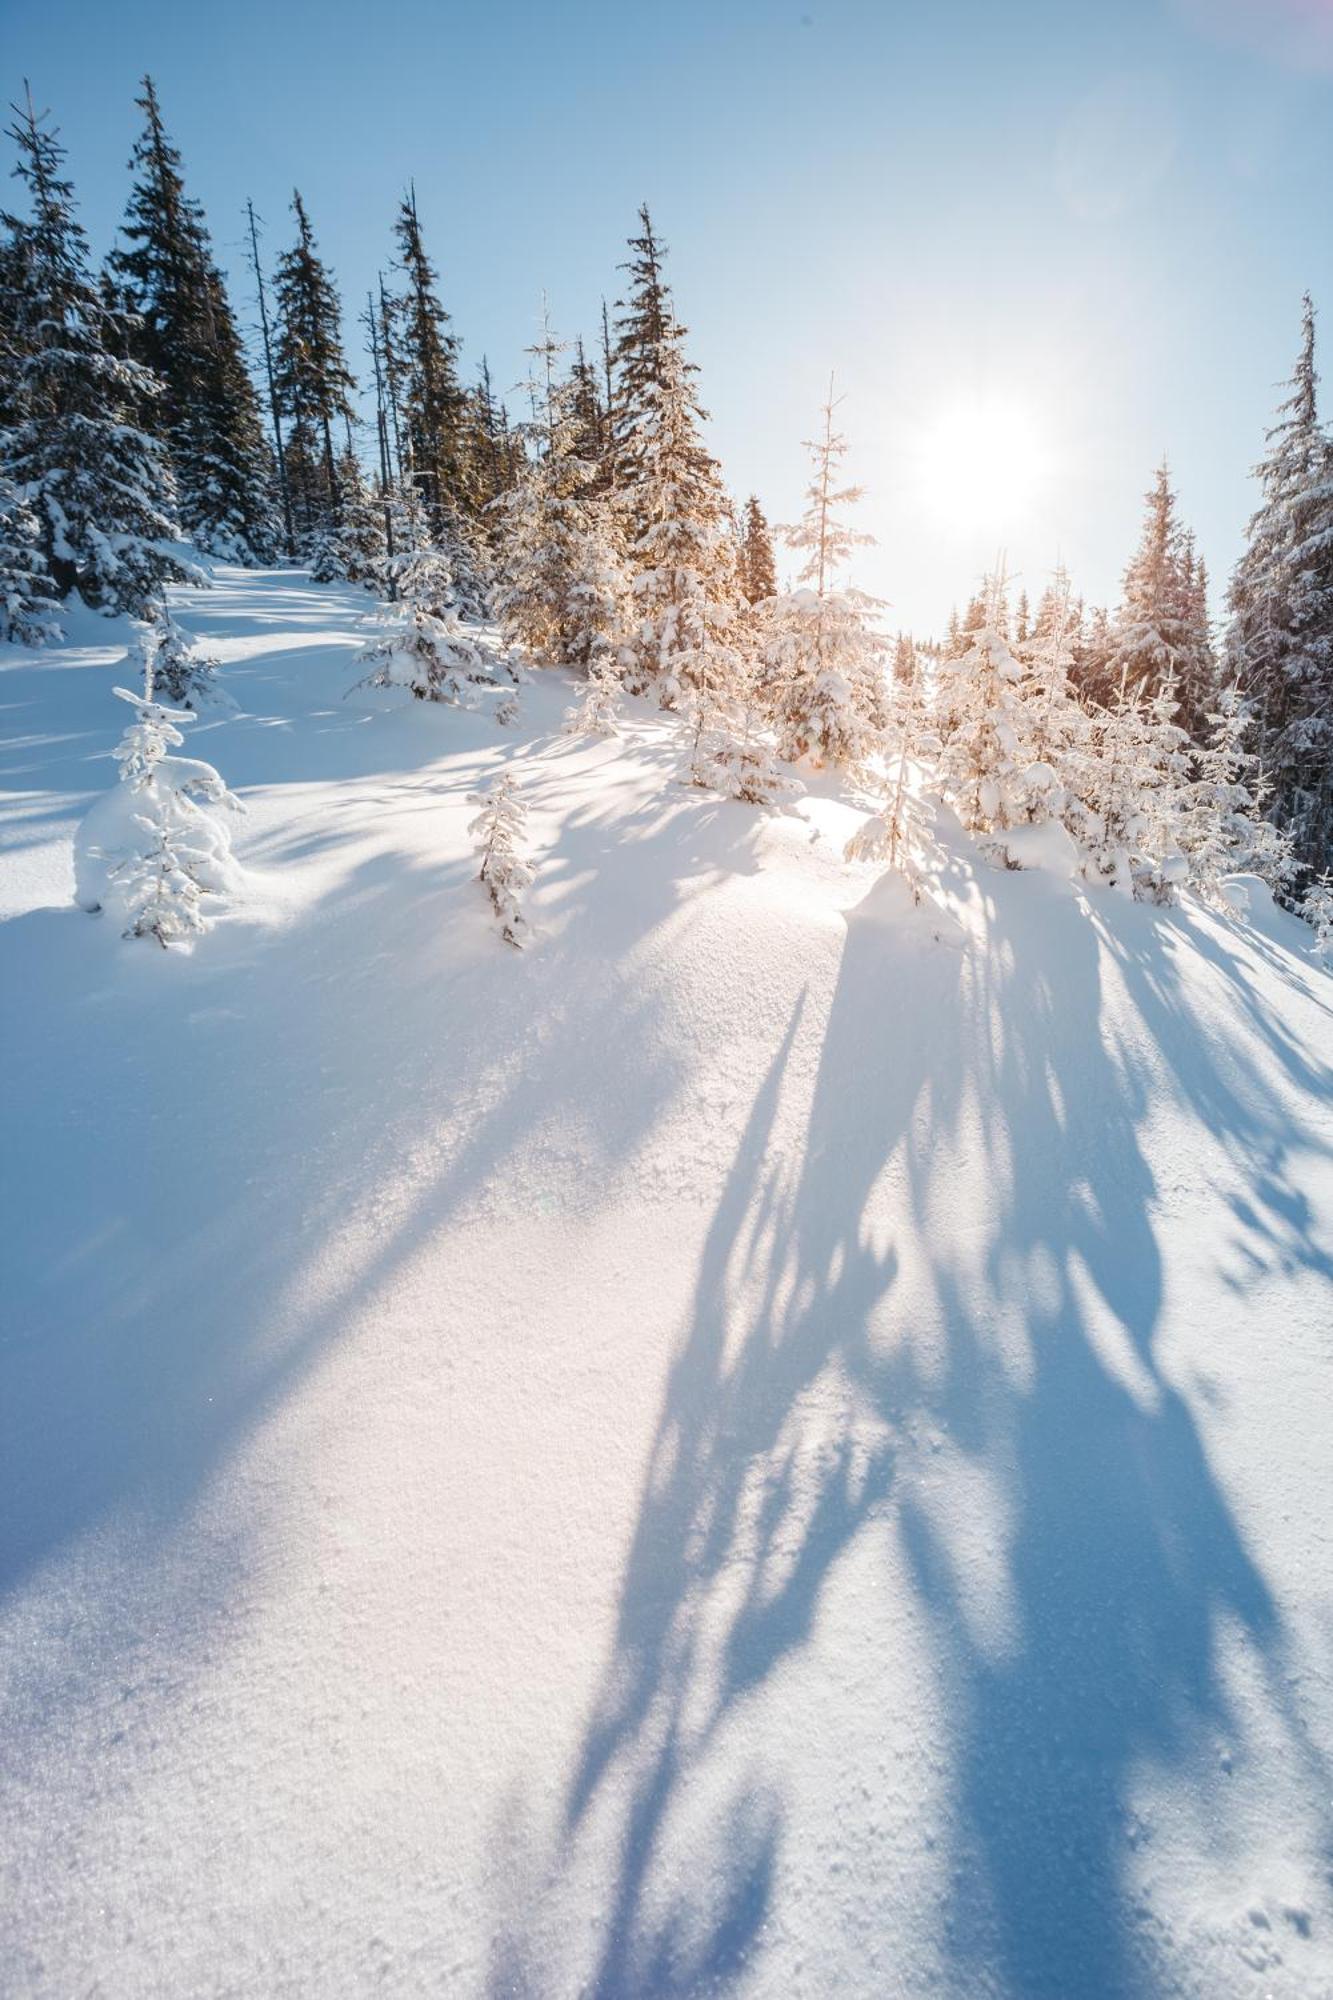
[1080, 231]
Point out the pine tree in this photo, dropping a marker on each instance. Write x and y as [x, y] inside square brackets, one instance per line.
[996, 728]
[27, 594]
[1132, 804]
[901, 834]
[1316, 906]
[821, 650]
[315, 385]
[562, 590]
[1223, 829]
[645, 326]
[588, 415]
[758, 571]
[431, 403]
[595, 712]
[1158, 634]
[156, 847]
[1279, 644]
[729, 746]
[669, 495]
[99, 487]
[423, 644]
[184, 331]
[498, 831]
[181, 669]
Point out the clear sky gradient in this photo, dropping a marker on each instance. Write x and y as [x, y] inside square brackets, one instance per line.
[1085, 227]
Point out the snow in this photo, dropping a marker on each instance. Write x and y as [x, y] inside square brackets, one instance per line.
[748, 1447]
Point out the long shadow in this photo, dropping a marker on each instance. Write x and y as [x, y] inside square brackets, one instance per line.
[1008, 1096]
[180, 1252]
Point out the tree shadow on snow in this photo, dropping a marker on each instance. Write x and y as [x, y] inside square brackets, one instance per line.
[807, 1368]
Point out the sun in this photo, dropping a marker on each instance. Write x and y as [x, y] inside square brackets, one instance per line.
[983, 464]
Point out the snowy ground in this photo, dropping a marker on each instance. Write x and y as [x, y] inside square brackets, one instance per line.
[743, 1449]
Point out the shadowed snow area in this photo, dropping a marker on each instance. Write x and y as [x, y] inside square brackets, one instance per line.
[747, 1448]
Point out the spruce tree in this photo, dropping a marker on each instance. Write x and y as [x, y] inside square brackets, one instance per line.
[990, 710]
[184, 331]
[315, 385]
[98, 485]
[562, 589]
[1158, 635]
[27, 593]
[758, 571]
[1279, 644]
[669, 494]
[820, 645]
[432, 406]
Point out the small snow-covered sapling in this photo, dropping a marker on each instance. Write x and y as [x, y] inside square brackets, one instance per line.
[498, 832]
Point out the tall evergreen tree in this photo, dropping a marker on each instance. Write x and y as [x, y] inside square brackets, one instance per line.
[822, 649]
[669, 493]
[27, 593]
[1157, 636]
[646, 327]
[99, 486]
[184, 330]
[1279, 644]
[563, 587]
[315, 385]
[432, 405]
[758, 571]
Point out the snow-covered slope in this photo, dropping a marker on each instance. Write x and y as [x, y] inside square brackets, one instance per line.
[747, 1447]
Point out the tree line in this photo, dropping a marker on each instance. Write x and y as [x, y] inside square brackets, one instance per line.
[597, 529]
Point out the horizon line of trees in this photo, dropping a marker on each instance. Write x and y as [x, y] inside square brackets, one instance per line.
[598, 529]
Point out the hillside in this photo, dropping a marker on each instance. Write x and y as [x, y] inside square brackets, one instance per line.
[769, 1443]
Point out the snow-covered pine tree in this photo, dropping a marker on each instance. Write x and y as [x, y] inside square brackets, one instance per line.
[499, 831]
[1093, 647]
[595, 712]
[1157, 634]
[352, 548]
[431, 404]
[1223, 831]
[729, 740]
[494, 452]
[1134, 796]
[822, 653]
[563, 589]
[27, 594]
[182, 670]
[1057, 733]
[183, 329]
[423, 644]
[1279, 644]
[901, 834]
[586, 405]
[905, 667]
[1316, 906]
[156, 847]
[98, 485]
[995, 726]
[758, 570]
[314, 383]
[669, 493]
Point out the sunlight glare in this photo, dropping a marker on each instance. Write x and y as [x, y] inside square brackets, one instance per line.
[983, 465]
